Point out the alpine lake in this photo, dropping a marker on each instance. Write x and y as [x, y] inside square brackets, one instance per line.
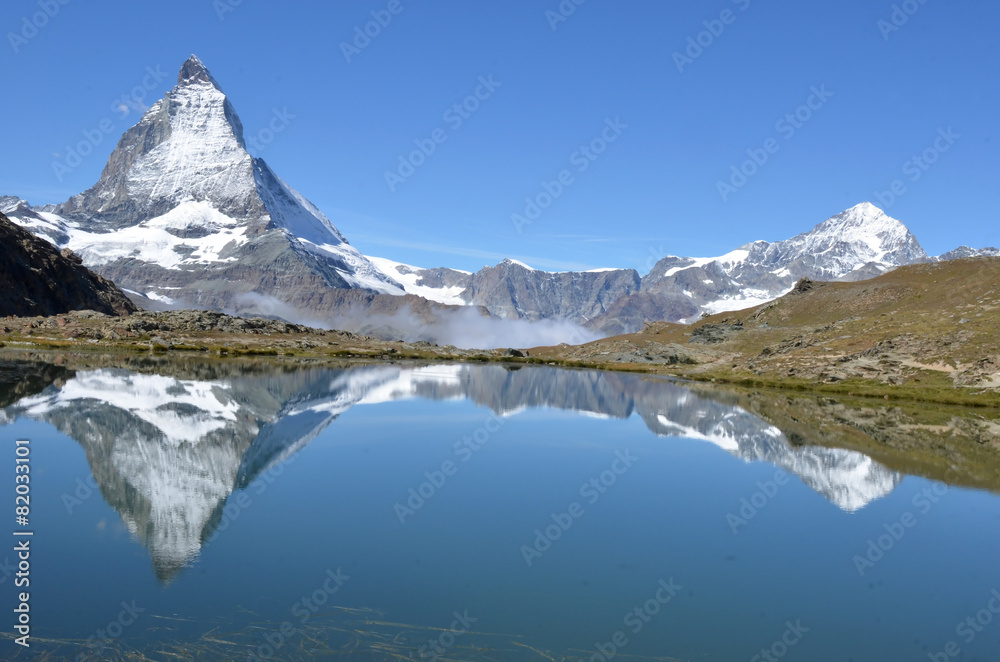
[254, 510]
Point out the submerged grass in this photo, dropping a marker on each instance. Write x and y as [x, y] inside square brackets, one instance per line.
[341, 633]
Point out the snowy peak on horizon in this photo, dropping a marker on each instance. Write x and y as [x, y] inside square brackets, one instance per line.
[872, 234]
[858, 243]
[860, 235]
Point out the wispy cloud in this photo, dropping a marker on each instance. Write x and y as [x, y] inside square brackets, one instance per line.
[541, 262]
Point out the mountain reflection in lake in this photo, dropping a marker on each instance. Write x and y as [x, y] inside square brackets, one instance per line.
[196, 463]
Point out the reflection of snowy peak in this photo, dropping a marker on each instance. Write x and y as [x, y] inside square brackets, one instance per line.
[167, 452]
[180, 411]
[161, 449]
[848, 479]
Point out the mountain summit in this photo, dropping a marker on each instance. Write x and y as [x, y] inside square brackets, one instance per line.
[194, 71]
[859, 243]
[183, 212]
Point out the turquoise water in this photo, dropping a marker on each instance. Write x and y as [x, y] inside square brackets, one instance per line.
[476, 512]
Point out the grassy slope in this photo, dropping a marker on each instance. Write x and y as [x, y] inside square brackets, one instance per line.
[917, 332]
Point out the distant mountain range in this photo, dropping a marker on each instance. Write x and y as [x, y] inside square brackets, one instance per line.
[184, 216]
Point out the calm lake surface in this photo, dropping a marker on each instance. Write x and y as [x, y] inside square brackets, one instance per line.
[475, 513]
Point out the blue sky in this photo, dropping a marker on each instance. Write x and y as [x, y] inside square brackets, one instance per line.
[556, 85]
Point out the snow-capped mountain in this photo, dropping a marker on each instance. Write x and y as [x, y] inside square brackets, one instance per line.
[183, 212]
[859, 243]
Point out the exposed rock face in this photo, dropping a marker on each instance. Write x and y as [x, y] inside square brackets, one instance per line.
[36, 279]
[440, 277]
[629, 313]
[515, 291]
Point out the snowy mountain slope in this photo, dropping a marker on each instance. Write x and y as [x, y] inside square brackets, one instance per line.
[859, 243]
[964, 251]
[442, 285]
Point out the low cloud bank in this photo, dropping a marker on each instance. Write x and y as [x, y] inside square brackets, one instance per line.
[465, 328]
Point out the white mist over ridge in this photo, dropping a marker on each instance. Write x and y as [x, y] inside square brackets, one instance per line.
[468, 329]
[465, 328]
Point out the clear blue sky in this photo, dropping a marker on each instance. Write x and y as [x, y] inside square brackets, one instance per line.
[652, 192]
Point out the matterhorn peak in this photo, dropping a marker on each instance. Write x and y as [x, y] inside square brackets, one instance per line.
[194, 71]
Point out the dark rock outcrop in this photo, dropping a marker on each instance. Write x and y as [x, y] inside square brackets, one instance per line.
[36, 279]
